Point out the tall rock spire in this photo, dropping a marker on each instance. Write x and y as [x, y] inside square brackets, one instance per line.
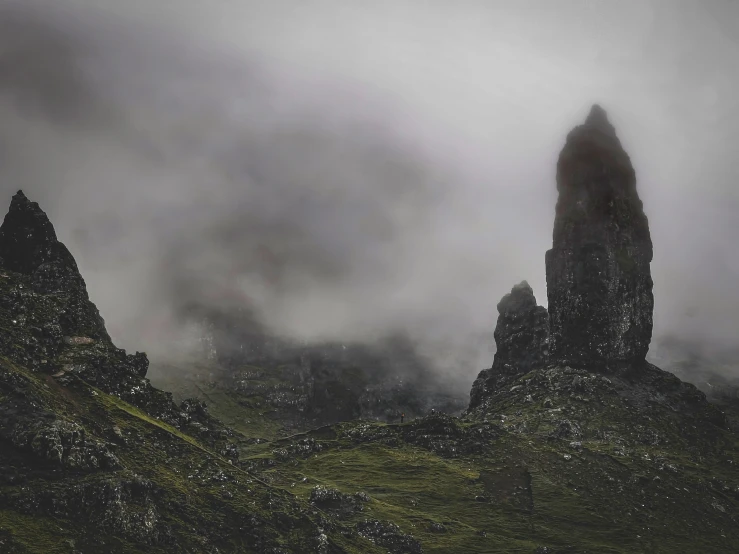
[599, 284]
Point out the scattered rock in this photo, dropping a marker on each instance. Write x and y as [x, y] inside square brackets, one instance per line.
[121, 505]
[435, 527]
[388, 535]
[59, 442]
[566, 429]
[337, 503]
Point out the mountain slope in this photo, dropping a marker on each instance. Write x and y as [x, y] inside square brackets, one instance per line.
[93, 457]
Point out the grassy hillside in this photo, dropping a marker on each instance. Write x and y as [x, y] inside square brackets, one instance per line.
[99, 475]
[604, 465]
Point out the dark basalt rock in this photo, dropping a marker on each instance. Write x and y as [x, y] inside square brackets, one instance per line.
[123, 504]
[28, 245]
[600, 316]
[522, 339]
[54, 328]
[337, 503]
[599, 284]
[28, 239]
[56, 308]
[44, 436]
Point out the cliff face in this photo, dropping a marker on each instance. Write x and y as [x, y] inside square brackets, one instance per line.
[599, 284]
[522, 340]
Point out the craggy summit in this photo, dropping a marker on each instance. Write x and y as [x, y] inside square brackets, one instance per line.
[55, 306]
[522, 336]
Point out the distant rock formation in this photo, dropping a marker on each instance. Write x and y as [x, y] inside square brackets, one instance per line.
[319, 383]
[599, 284]
[522, 339]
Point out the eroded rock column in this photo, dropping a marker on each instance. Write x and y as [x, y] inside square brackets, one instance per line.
[599, 284]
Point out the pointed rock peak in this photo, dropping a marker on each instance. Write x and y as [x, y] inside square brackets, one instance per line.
[521, 297]
[522, 338]
[28, 239]
[598, 119]
[21, 204]
[522, 288]
[597, 114]
[28, 245]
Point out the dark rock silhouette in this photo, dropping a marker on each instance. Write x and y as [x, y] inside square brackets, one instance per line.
[600, 314]
[28, 239]
[599, 284]
[28, 245]
[522, 340]
[56, 330]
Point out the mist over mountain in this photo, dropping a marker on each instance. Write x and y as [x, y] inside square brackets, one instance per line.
[347, 172]
[257, 257]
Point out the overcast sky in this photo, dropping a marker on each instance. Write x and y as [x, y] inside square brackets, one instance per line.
[351, 168]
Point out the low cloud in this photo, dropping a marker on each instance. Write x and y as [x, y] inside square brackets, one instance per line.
[348, 170]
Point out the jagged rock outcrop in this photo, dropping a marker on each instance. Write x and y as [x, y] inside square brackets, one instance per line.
[600, 303]
[55, 310]
[599, 284]
[522, 340]
[53, 328]
[337, 503]
[95, 459]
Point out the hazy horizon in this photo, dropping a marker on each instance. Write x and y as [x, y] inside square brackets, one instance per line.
[351, 169]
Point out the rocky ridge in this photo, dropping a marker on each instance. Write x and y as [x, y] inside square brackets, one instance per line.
[612, 456]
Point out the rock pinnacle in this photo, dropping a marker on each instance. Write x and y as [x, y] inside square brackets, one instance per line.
[599, 284]
[521, 336]
[28, 245]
